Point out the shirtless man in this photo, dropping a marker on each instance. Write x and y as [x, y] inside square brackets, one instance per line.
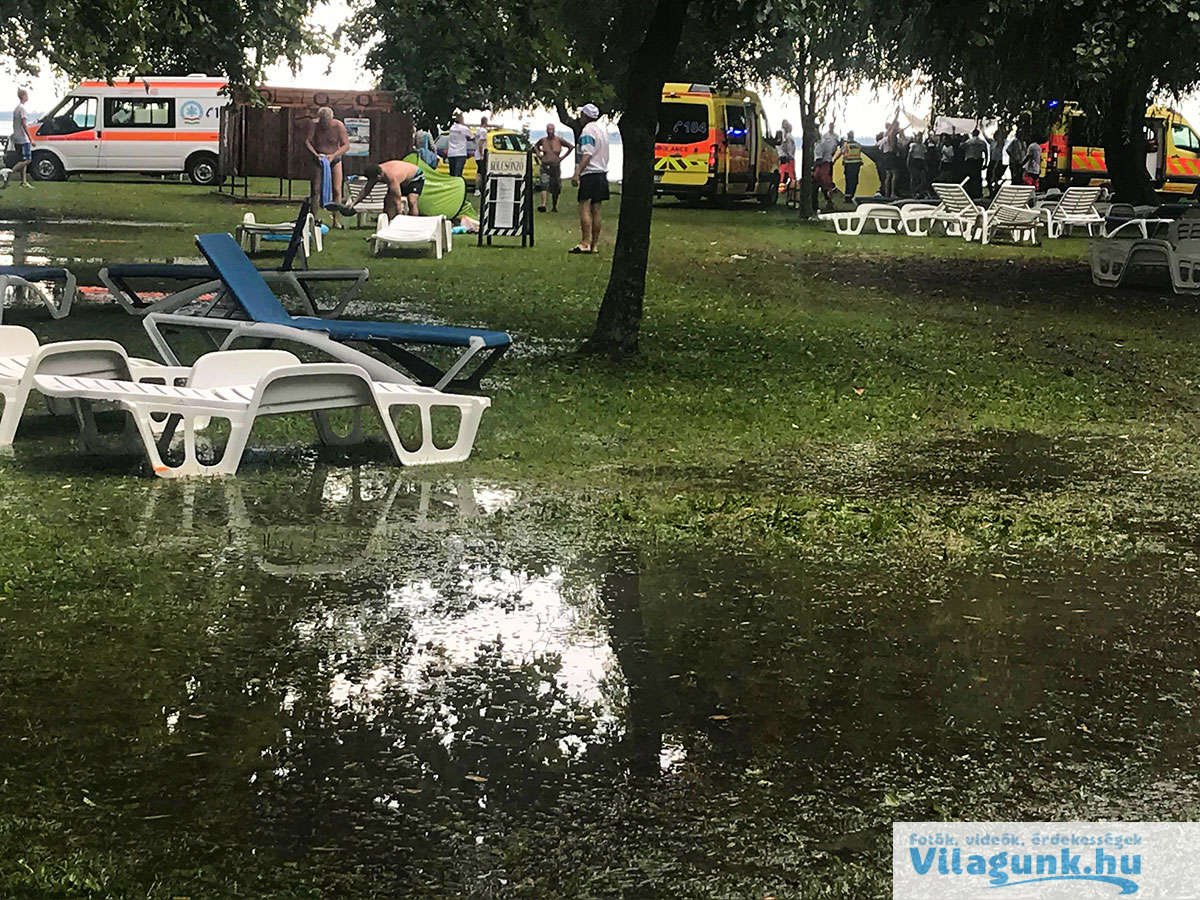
[403, 179]
[551, 151]
[327, 138]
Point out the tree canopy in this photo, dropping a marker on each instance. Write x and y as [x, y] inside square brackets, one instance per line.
[108, 38]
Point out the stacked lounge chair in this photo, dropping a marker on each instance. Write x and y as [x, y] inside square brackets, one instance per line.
[251, 310]
[198, 281]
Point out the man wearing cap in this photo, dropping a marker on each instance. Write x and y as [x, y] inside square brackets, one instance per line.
[591, 177]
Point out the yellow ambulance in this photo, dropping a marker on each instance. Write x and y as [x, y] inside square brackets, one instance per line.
[714, 144]
[1073, 154]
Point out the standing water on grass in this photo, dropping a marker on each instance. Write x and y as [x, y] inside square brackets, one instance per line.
[345, 681]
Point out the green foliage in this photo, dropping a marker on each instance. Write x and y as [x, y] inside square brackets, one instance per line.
[121, 37]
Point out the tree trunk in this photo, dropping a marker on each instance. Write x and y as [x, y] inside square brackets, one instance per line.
[1125, 146]
[620, 317]
[810, 133]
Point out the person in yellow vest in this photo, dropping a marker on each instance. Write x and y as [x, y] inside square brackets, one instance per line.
[850, 154]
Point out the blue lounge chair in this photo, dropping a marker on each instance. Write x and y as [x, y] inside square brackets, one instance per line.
[255, 312]
[41, 282]
[199, 280]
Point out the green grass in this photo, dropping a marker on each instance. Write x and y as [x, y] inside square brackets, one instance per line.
[904, 513]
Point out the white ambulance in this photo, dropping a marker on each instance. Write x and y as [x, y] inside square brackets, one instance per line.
[154, 124]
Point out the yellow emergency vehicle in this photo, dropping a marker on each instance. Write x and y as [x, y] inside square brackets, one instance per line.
[1073, 154]
[714, 144]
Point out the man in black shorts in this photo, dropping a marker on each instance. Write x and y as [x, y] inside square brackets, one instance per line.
[403, 179]
[591, 177]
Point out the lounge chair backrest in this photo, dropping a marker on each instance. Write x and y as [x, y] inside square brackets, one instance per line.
[1122, 211]
[954, 198]
[244, 281]
[314, 386]
[225, 368]
[1013, 195]
[1078, 201]
[16, 340]
[296, 241]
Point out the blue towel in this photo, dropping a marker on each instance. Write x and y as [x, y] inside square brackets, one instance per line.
[326, 182]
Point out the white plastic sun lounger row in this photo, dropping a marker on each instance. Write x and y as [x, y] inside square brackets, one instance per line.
[238, 386]
[410, 231]
[1011, 211]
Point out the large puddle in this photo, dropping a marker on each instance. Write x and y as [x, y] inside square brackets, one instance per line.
[371, 682]
[46, 243]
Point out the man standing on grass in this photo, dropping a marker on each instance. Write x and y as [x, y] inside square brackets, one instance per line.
[20, 140]
[787, 156]
[328, 142]
[823, 167]
[850, 153]
[481, 146]
[1033, 164]
[551, 151]
[974, 152]
[456, 145]
[591, 177]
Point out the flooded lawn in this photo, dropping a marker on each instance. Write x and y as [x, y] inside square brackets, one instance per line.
[323, 680]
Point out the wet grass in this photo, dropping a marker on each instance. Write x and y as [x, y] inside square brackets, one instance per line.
[870, 529]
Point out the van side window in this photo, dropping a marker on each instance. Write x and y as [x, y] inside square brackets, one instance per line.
[136, 112]
[735, 124]
[1185, 138]
[73, 115]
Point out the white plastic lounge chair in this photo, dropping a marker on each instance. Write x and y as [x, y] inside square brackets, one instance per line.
[884, 216]
[917, 218]
[1136, 244]
[251, 232]
[372, 204]
[241, 385]
[957, 213]
[408, 231]
[1019, 222]
[22, 359]
[39, 282]
[1015, 196]
[1075, 208]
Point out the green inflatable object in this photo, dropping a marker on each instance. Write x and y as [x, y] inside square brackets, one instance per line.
[443, 195]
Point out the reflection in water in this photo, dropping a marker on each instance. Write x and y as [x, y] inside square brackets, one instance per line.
[426, 687]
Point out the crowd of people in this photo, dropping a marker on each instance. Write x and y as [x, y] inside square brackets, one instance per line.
[908, 165]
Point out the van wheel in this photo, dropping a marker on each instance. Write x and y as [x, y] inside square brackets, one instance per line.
[203, 169]
[46, 167]
[771, 197]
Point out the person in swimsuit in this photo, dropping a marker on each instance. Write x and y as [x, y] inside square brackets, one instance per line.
[327, 138]
[403, 180]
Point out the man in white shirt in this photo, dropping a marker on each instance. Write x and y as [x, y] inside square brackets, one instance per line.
[456, 145]
[823, 165]
[481, 134]
[591, 177]
[20, 140]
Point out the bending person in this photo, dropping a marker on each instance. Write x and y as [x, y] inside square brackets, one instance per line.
[404, 181]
